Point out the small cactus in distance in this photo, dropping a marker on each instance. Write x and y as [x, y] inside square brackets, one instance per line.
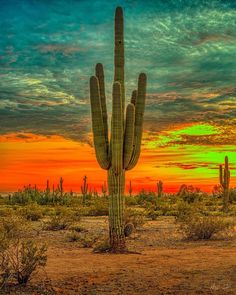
[159, 188]
[60, 187]
[122, 151]
[104, 190]
[130, 188]
[84, 189]
[224, 177]
[47, 191]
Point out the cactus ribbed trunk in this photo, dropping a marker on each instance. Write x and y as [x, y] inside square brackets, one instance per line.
[116, 185]
[121, 153]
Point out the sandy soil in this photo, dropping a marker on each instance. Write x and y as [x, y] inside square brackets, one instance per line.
[167, 264]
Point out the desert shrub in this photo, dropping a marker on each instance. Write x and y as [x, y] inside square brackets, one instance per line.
[63, 218]
[203, 227]
[73, 236]
[32, 212]
[85, 240]
[33, 195]
[232, 195]
[5, 211]
[78, 228]
[57, 222]
[95, 211]
[131, 200]
[190, 194]
[134, 216]
[183, 210]
[20, 260]
[19, 256]
[153, 214]
[13, 226]
[146, 198]
[102, 246]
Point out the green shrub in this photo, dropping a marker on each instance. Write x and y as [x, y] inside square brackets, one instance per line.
[203, 227]
[4, 212]
[131, 200]
[85, 240]
[102, 246]
[136, 217]
[78, 228]
[58, 222]
[13, 226]
[32, 212]
[153, 214]
[146, 198]
[20, 260]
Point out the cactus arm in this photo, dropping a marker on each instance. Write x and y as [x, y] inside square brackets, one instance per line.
[100, 76]
[134, 97]
[139, 111]
[129, 133]
[117, 129]
[101, 147]
[119, 60]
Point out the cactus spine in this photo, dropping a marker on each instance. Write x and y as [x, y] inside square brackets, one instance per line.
[224, 175]
[121, 153]
[84, 188]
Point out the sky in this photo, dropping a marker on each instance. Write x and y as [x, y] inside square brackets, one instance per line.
[48, 50]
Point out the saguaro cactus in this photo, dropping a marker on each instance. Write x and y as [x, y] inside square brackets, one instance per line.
[159, 188]
[130, 188]
[60, 187]
[122, 151]
[224, 175]
[84, 188]
[47, 191]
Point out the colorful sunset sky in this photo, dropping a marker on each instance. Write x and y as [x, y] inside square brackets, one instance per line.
[48, 50]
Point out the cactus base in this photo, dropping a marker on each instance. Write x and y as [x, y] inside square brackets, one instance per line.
[116, 184]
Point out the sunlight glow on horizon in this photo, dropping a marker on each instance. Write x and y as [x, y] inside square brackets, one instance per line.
[32, 159]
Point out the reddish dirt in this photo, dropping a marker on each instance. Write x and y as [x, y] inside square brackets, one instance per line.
[167, 264]
[198, 270]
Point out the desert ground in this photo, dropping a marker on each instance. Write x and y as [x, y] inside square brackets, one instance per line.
[161, 261]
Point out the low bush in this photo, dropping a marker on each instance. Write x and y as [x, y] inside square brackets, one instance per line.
[20, 257]
[85, 240]
[63, 218]
[57, 222]
[153, 214]
[102, 246]
[134, 216]
[32, 212]
[13, 226]
[203, 227]
[20, 260]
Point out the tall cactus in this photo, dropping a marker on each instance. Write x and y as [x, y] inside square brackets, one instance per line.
[224, 176]
[122, 151]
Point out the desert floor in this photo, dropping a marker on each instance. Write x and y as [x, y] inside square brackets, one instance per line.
[165, 263]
